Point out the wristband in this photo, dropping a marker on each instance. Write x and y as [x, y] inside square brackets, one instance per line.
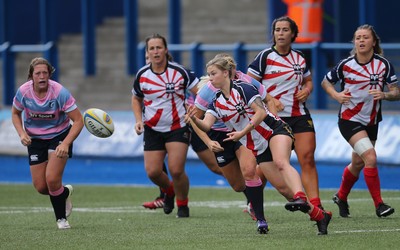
[252, 124]
[308, 90]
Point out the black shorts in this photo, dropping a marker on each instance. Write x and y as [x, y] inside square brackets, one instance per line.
[282, 129]
[350, 128]
[197, 144]
[300, 124]
[154, 140]
[38, 151]
[228, 155]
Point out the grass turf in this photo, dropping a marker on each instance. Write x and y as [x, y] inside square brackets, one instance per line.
[111, 217]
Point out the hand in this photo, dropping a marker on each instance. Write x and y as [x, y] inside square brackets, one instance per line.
[190, 113]
[215, 147]
[233, 136]
[303, 94]
[278, 105]
[344, 97]
[26, 139]
[139, 128]
[377, 94]
[62, 150]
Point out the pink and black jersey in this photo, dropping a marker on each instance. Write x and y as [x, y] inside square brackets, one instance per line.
[236, 113]
[359, 79]
[164, 95]
[282, 76]
[44, 118]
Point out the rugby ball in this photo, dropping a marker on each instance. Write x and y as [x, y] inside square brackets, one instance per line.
[98, 122]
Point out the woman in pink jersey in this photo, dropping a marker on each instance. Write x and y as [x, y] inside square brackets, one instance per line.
[46, 130]
[285, 74]
[239, 106]
[363, 77]
[158, 103]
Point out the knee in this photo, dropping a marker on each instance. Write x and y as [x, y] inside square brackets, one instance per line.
[280, 164]
[177, 174]
[370, 158]
[249, 171]
[41, 189]
[307, 160]
[153, 174]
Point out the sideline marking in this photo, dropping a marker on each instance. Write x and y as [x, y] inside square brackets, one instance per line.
[368, 231]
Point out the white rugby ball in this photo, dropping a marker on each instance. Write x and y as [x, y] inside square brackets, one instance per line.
[98, 122]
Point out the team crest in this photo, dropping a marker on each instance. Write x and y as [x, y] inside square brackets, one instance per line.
[373, 79]
[297, 69]
[240, 109]
[170, 88]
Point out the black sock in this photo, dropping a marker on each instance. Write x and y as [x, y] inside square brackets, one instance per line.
[256, 198]
[58, 203]
[247, 198]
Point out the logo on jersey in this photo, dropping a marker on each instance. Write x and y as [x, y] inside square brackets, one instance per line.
[52, 104]
[297, 69]
[41, 116]
[373, 79]
[170, 88]
[240, 109]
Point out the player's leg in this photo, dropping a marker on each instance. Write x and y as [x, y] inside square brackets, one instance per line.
[274, 177]
[280, 146]
[158, 202]
[38, 174]
[204, 153]
[305, 148]
[58, 193]
[177, 152]
[254, 185]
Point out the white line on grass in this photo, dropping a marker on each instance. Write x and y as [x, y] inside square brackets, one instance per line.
[368, 231]
[140, 209]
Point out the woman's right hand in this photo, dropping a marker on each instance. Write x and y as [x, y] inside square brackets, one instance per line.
[139, 128]
[343, 97]
[25, 139]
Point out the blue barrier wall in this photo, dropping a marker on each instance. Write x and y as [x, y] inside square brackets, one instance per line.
[125, 143]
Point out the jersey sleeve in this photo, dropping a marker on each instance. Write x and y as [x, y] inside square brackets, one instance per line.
[257, 67]
[212, 110]
[204, 97]
[336, 74]
[391, 77]
[17, 101]
[67, 101]
[193, 80]
[136, 90]
[250, 93]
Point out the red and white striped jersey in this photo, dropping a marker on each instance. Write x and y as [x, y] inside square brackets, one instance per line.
[236, 113]
[282, 76]
[164, 95]
[359, 79]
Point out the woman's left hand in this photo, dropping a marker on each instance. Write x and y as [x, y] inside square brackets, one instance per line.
[233, 136]
[377, 94]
